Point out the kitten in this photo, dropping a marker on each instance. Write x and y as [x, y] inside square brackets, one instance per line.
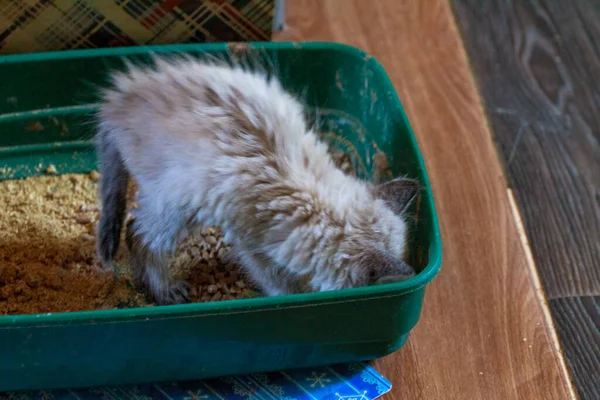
[218, 145]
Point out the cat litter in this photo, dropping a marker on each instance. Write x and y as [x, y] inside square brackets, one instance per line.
[48, 257]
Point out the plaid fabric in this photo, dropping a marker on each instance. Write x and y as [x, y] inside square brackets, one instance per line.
[45, 25]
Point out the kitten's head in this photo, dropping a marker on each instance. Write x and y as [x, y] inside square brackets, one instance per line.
[375, 242]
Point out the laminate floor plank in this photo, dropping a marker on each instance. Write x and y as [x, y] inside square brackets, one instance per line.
[537, 64]
[484, 332]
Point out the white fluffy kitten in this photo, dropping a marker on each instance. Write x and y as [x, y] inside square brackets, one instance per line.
[218, 145]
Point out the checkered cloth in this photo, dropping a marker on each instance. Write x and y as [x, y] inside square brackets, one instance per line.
[46, 25]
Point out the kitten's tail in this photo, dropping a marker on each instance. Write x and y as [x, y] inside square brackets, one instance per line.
[113, 198]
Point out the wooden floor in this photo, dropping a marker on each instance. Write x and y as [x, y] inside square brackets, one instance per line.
[485, 331]
[538, 68]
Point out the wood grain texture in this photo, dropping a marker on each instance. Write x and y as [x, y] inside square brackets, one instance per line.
[483, 332]
[538, 66]
[579, 322]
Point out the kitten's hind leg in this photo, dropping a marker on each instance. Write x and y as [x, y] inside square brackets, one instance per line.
[151, 270]
[114, 179]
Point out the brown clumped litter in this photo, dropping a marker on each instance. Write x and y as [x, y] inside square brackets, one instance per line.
[47, 253]
[381, 168]
[343, 161]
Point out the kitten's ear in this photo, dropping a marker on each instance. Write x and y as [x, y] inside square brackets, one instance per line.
[398, 193]
[383, 268]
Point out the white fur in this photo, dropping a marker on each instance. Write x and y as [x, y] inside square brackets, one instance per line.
[215, 145]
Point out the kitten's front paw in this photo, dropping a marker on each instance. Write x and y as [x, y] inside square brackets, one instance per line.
[175, 293]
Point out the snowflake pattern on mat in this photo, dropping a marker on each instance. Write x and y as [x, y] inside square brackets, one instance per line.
[367, 377]
[357, 382]
[320, 379]
[196, 395]
[355, 367]
[362, 396]
[241, 390]
[45, 395]
[277, 390]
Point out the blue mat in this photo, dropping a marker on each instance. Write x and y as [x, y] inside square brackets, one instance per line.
[342, 382]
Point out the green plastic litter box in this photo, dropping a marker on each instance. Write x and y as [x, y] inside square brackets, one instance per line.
[358, 111]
